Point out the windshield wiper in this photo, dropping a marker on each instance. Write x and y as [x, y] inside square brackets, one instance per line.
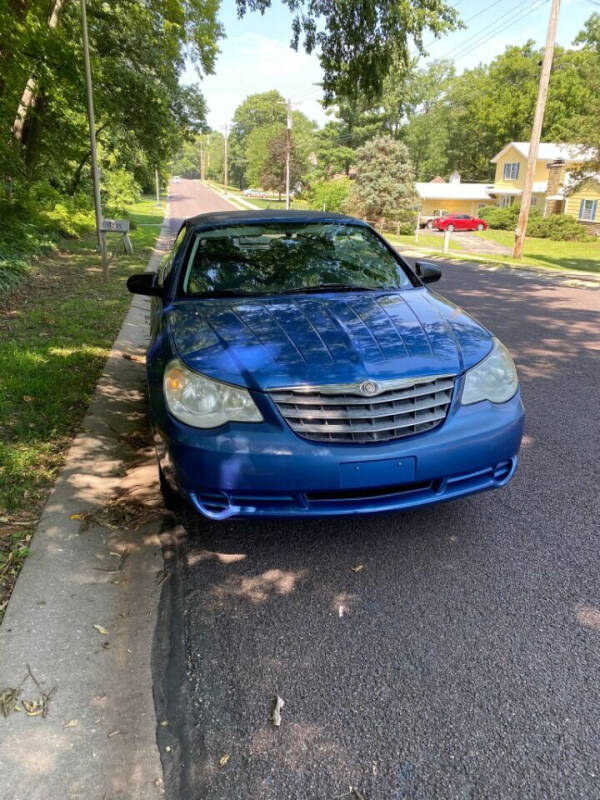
[333, 287]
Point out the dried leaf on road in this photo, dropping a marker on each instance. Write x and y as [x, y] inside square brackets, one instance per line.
[72, 723]
[76, 516]
[8, 700]
[357, 568]
[101, 629]
[224, 759]
[278, 704]
[113, 733]
[33, 708]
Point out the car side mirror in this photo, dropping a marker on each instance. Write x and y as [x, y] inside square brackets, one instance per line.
[144, 283]
[428, 272]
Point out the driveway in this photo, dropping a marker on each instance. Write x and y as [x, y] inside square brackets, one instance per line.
[460, 661]
[473, 243]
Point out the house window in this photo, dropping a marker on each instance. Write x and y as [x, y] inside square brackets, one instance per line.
[511, 171]
[533, 200]
[587, 210]
[507, 200]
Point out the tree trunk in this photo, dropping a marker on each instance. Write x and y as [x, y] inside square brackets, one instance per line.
[75, 181]
[29, 94]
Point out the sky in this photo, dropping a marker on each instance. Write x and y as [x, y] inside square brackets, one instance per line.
[256, 55]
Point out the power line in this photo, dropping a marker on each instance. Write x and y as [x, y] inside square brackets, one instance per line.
[497, 25]
[469, 19]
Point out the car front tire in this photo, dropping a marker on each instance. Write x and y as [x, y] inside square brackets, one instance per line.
[450, 228]
[480, 227]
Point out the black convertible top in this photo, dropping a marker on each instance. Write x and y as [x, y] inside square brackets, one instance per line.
[266, 215]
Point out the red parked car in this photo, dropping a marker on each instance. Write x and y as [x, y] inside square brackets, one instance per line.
[459, 222]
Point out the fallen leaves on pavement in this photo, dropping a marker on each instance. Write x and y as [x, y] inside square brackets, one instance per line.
[224, 759]
[121, 511]
[36, 707]
[278, 704]
[101, 629]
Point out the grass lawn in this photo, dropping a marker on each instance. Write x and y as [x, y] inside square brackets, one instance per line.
[547, 253]
[56, 330]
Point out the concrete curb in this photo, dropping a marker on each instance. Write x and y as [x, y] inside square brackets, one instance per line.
[71, 582]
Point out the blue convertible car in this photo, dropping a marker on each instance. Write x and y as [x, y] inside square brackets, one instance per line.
[299, 367]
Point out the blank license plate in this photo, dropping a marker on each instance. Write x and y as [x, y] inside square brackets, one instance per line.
[386, 472]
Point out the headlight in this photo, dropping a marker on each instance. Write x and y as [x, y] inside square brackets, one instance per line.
[204, 403]
[494, 378]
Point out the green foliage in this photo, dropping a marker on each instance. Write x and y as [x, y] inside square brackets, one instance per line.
[142, 113]
[331, 195]
[558, 227]
[384, 185]
[257, 111]
[120, 189]
[359, 42]
[272, 174]
[504, 219]
[66, 220]
[257, 147]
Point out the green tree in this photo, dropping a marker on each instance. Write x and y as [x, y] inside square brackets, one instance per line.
[589, 123]
[142, 112]
[384, 185]
[257, 111]
[359, 42]
[272, 175]
[331, 195]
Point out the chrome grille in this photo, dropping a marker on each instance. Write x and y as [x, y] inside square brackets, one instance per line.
[344, 414]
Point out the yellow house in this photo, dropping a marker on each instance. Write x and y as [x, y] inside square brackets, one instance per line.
[554, 176]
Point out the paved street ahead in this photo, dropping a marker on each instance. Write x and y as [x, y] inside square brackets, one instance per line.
[466, 662]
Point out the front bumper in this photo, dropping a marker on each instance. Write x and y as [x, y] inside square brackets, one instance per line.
[265, 470]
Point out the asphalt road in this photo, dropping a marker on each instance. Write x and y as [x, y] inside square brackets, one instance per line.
[466, 662]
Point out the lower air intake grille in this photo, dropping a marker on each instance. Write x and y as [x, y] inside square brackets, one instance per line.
[345, 414]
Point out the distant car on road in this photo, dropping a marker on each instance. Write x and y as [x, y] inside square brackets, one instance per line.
[298, 367]
[459, 222]
[176, 178]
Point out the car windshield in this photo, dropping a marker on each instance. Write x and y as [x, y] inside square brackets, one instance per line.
[286, 257]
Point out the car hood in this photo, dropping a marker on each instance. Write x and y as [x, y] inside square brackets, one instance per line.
[270, 342]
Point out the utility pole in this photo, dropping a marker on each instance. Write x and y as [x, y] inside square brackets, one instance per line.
[536, 130]
[225, 144]
[157, 187]
[92, 123]
[288, 149]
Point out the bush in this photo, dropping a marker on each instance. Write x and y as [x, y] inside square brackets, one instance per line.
[119, 189]
[558, 227]
[66, 219]
[19, 243]
[505, 219]
[329, 195]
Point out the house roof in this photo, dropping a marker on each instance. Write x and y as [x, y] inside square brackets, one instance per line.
[539, 187]
[550, 151]
[453, 191]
